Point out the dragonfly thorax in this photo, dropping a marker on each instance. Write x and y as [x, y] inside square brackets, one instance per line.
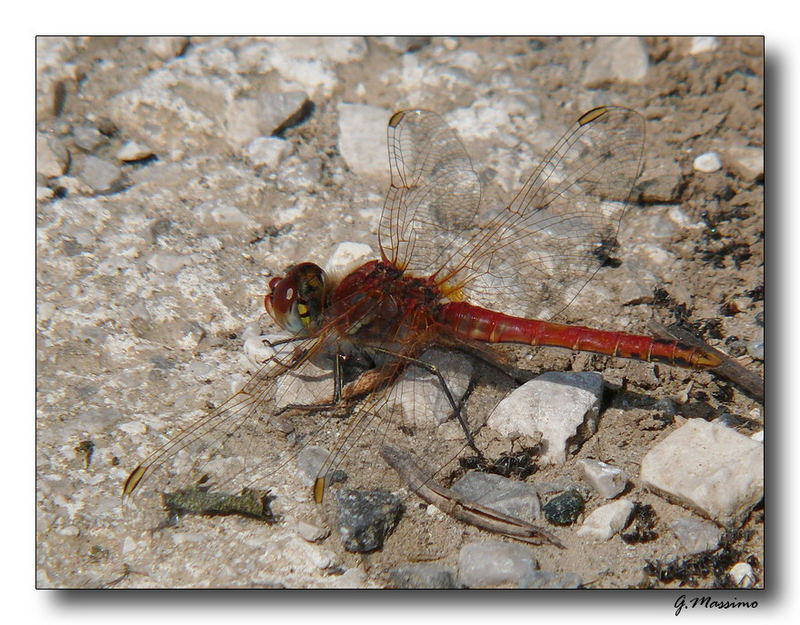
[378, 300]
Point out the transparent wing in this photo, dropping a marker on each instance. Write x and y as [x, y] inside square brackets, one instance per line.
[533, 256]
[228, 443]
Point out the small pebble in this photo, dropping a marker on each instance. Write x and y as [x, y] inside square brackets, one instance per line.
[707, 163]
[606, 520]
[311, 533]
[564, 509]
[695, 535]
[607, 480]
[87, 137]
[133, 151]
[101, 175]
[704, 44]
[742, 575]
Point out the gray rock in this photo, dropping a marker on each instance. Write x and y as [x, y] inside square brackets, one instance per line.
[756, 347]
[425, 575]
[52, 157]
[517, 499]
[696, 535]
[362, 135]
[607, 480]
[494, 563]
[617, 60]
[366, 518]
[562, 406]
[709, 468]
[100, 175]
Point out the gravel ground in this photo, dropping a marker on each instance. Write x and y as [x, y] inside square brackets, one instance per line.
[175, 175]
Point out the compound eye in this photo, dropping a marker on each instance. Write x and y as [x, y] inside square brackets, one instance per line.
[296, 301]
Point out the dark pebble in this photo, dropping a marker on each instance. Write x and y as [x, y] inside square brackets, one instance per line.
[366, 518]
[564, 509]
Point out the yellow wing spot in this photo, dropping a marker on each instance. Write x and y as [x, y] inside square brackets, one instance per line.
[395, 119]
[589, 116]
[319, 489]
[133, 480]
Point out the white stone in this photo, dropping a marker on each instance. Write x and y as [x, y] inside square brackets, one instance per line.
[133, 151]
[758, 436]
[707, 163]
[607, 520]
[348, 256]
[362, 138]
[562, 406]
[607, 480]
[742, 575]
[709, 468]
[703, 44]
[267, 151]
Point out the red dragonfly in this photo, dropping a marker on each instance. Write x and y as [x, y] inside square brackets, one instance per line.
[444, 263]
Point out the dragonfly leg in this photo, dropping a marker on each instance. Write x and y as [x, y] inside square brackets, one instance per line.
[337, 391]
[456, 406]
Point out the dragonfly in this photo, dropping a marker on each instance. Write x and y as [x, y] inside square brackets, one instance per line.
[447, 267]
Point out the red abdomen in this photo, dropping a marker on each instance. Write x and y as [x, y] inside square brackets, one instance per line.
[473, 322]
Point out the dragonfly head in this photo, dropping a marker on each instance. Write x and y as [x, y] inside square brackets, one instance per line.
[296, 300]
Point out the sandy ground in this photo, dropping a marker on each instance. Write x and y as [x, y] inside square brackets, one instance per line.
[144, 289]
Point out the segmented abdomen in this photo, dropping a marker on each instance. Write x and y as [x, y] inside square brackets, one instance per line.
[474, 322]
